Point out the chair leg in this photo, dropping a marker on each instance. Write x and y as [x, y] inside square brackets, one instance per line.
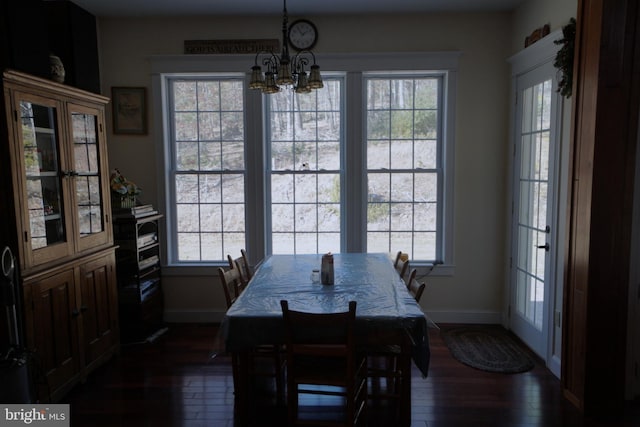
[279, 373]
[240, 370]
[292, 398]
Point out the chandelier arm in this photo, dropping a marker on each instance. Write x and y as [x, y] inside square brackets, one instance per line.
[298, 63]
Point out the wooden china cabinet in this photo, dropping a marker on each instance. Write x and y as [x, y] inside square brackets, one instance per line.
[60, 180]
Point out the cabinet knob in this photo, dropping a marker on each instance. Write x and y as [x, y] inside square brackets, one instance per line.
[75, 312]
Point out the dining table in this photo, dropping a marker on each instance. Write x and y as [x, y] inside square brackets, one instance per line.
[386, 312]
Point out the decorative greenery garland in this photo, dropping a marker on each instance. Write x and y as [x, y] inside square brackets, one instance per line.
[564, 58]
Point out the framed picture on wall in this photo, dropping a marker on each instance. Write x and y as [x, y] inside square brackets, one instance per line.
[129, 110]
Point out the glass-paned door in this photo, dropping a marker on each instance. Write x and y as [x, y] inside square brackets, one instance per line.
[87, 176]
[534, 182]
[46, 222]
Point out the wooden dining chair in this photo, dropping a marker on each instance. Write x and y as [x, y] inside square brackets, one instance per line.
[247, 266]
[233, 286]
[401, 266]
[410, 278]
[322, 359]
[416, 289]
[242, 264]
[384, 360]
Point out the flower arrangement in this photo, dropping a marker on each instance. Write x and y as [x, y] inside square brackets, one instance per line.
[123, 191]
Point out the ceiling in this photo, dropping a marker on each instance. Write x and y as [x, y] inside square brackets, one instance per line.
[121, 8]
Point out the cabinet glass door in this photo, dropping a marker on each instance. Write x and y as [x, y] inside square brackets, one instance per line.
[41, 155]
[87, 174]
[86, 132]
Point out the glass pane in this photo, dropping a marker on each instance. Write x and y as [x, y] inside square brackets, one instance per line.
[211, 248]
[209, 126]
[89, 204]
[425, 216]
[306, 189]
[402, 154]
[211, 217]
[426, 93]
[378, 154]
[281, 217]
[424, 246]
[329, 155]
[281, 186]
[87, 168]
[42, 167]
[186, 188]
[378, 216]
[233, 218]
[329, 188]
[210, 188]
[425, 152]
[189, 246]
[379, 187]
[329, 217]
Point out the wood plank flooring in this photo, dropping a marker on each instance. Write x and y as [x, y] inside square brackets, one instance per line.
[172, 382]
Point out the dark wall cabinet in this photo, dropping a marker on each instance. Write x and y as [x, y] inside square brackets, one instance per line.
[30, 30]
[73, 38]
[24, 37]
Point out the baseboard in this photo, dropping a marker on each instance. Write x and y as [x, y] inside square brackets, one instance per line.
[193, 316]
[470, 317]
[212, 316]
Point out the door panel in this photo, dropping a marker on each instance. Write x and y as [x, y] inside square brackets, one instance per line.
[98, 307]
[56, 329]
[534, 221]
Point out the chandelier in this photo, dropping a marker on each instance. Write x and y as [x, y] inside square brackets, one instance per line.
[285, 70]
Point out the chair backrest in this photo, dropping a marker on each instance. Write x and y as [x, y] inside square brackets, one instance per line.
[247, 266]
[231, 284]
[402, 267]
[411, 278]
[416, 289]
[398, 258]
[238, 264]
[319, 334]
[241, 263]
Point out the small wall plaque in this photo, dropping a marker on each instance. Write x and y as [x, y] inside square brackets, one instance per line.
[204, 47]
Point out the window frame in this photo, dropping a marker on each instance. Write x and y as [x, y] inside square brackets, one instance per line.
[353, 66]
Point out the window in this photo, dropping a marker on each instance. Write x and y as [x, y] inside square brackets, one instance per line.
[207, 118]
[305, 136]
[403, 167]
[364, 164]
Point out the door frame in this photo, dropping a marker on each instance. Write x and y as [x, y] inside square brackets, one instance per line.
[527, 60]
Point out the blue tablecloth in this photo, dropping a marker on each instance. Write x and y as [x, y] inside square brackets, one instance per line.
[369, 279]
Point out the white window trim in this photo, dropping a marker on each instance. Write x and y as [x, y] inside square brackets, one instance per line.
[354, 65]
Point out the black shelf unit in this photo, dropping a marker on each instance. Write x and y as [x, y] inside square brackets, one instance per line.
[139, 275]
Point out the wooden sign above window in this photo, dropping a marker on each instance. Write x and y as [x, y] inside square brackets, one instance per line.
[205, 47]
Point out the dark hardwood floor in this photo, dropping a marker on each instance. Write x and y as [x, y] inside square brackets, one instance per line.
[173, 382]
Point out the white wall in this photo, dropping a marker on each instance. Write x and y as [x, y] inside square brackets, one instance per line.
[475, 291]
